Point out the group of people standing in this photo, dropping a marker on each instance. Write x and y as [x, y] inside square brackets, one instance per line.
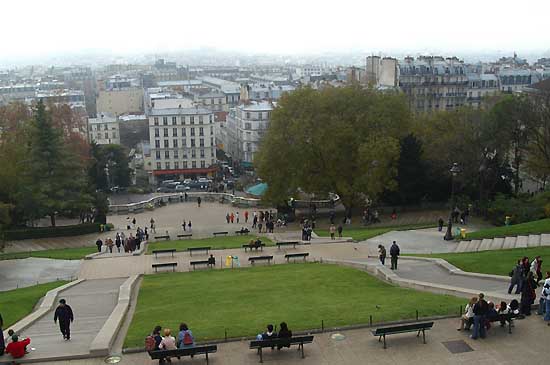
[121, 242]
[525, 277]
[395, 251]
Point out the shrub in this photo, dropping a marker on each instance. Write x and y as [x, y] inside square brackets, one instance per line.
[44, 232]
[524, 208]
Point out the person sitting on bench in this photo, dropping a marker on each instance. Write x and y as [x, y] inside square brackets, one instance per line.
[467, 318]
[168, 342]
[244, 230]
[270, 334]
[185, 337]
[502, 312]
[212, 261]
[284, 332]
[492, 315]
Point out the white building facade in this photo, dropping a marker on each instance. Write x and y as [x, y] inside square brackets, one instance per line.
[182, 143]
[104, 130]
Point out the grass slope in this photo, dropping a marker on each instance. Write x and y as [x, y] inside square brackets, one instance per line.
[497, 262]
[16, 304]
[364, 233]
[59, 254]
[243, 301]
[534, 227]
[214, 242]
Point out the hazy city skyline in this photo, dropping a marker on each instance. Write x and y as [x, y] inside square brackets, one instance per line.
[40, 30]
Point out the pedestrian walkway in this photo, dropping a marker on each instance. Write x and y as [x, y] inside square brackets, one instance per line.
[92, 302]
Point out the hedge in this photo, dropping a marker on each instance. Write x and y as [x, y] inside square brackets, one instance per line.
[45, 232]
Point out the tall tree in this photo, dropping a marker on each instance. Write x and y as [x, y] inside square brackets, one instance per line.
[109, 166]
[54, 178]
[341, 140]
[537, 117]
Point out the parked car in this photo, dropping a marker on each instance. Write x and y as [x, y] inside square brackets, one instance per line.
[182, 187]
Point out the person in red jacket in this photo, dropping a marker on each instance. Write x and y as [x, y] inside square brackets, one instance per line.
[17, 348]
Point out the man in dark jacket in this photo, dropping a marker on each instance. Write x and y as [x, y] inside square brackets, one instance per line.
[394, 253]
[516, 278]
[64, 313]
[480, 312]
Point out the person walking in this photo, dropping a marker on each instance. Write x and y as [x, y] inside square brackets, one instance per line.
[254, 220]
[480, 311]
[99, 244]
[516, 276]
[134, 222]
[237, 217]
[118, 241]
[64, 314]
[227, 218]
[340, 229]
[184, 225]
[382, 254]
[232, 217]
[189, 226]
[246, 216]
[528, 294]
[546, 295]
[110, 244]
[332, 231]
[440, 224]
[394, 253]
[199, 200]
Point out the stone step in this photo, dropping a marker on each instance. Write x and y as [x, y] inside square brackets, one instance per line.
[534, 240]
[474, 245]
[545, 239]
[509, 242]
[462, 245]
[521, 241]
[497, 243]
[485, 244]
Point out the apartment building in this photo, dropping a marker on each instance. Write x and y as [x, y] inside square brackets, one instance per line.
[182, 143]
[104, 129]
[128, 100]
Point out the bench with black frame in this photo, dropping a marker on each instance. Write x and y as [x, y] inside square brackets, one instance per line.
[303, 255]
[185, 235]
[300, 341]
[508, 317]
[194, 249]
[220, 233]
[287, 243]
[260, 258]
[414, 327]
[165, 264]
[248, 247]
[241, 232]
[168, 250]
[201, 262]
[189, 351]
[166, 237]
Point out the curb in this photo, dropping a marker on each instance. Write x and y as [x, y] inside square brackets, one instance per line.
[47, 304]
[103, 341]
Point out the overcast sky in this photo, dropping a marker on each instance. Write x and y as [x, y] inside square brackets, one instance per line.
[30, 28]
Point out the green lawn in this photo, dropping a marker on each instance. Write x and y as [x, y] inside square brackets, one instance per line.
[214, 242]
[60, 254]
[497, 262]
[16, 304]
[365, 233]
[534, 227]
[243, 301]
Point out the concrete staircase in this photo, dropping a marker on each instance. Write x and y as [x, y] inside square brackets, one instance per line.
[532, 240]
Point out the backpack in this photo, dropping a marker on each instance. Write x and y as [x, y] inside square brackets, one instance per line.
[187, 339]
[150, 343]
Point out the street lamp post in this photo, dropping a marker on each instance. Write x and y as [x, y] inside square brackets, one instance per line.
[454, 171]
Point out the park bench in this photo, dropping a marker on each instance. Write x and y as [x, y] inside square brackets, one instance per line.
[508, 317]
[248, 247]
[241, 232]
[201, 262]
[261, 344]
[260, 258]
[165, 264]
[185, 235]
[287, 243]
[414, 327]
[220, 233]
[166, 237]
[190, 351]
[194, 249]
[303, 255]
[168, 250]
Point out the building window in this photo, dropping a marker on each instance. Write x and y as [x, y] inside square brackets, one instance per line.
[182, 120]
[212, 154]
[106, 135]
[212, 101]
[203, 164]
[192, 142]
[166, 143]
[184, 164]
[105, 127]
[175, 143]
[192, 131]
[201, 131]
[156, 121]
[210, 118]
[184, 142]
[201, 142]
[211, 141]
[165, 132]
[174, 132]
[157, 144]
[260, 115]
[194, 164]
[176, 154]
[211, 130]
[164, 120]
[157, 153]
[184, 153]
[176, 165]
[157, 132]
[174, 121]
[202, 153]
[247, 125]
[167, 154]
[247, 115]
[167, 165]
[193, 154]
[192, 120]
[183, 132]
[200, 118]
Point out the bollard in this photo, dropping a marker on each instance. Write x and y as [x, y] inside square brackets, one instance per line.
[370, 320]
[417, 314]
[460, 310]
[225, 330]
[322, 326]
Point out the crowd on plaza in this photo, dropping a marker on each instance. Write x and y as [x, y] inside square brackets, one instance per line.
[526, 277]
[122, 242]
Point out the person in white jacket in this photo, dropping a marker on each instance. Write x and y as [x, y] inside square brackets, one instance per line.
[468, 317]
[546, 295]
